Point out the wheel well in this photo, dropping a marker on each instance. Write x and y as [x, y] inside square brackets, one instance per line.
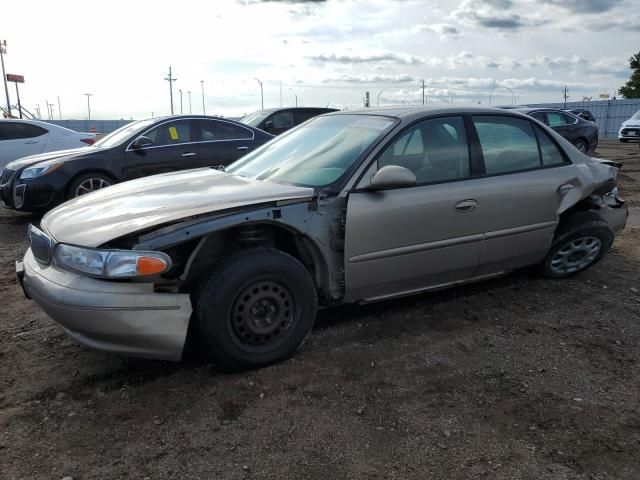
[86, 172]
[218, 245]
[584, 210]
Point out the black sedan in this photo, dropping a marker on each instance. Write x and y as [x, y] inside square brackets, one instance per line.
[582, 133]
[139, 149]
[279, 120]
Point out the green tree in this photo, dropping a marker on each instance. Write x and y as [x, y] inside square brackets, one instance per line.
[632, 88]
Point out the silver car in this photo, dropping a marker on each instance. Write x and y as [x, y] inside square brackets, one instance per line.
[348, 207]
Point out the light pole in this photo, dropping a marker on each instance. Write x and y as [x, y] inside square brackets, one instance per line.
[189, 93]
[261, 93]
[380, 93]
[295, 95]
[88, 95]
[180, 90]
[3, 50]
[170, 78]
[202, 87]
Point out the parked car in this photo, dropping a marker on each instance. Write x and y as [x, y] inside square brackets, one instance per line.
[630, 129]
[136, 150]
[583, 113]
[348, 207]
[20, 138]
[582, 133]
[279, 120]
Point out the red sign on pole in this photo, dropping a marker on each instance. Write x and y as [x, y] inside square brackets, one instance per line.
[15, 78]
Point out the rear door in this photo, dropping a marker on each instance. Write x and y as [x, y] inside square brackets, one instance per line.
[223, 142]
[562, 123]
[21, 139]
[174, 148]
[404, 240]
[526, 179]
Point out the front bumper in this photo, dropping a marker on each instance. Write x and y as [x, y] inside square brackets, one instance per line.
[629, 133]
[119, 317]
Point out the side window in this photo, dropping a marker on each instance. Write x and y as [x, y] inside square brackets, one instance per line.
[282, 119]
[557, 119]
[17, 131]
[171, 133]
[539, 116]
[551, 154]
[434, 150]
[508, 144]
[212, 130]
[302, 116]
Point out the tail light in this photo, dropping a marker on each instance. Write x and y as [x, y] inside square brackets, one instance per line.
[88, 141]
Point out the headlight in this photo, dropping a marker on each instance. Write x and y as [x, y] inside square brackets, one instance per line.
[111, 263]
[38, 171]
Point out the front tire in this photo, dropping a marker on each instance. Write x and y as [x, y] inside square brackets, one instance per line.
[87, 183]
[255, 309]
[579, 244]
[582, 145]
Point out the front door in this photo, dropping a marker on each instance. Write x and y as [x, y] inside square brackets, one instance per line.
[405, 240]
[173, 148]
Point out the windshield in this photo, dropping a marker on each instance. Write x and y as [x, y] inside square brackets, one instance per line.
[254, 119]
[118, 136]
[635, 116]
[316, 154]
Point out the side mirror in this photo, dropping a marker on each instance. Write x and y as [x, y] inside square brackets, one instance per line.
[141, 142]
[268, 125]
[392, 176]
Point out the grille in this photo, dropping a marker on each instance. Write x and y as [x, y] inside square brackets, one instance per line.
[6, 176]
[627, 131]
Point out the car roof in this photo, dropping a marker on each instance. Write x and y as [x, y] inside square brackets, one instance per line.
[419, 111]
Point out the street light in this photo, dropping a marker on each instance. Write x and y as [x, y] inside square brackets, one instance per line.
[180, 90]
[202, 87]
[262, 93]
[88, 95]
[295, 95]
[189, 93]
[380, 93]
[3, 50]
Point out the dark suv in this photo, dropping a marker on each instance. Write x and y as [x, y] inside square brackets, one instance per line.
[278, 120]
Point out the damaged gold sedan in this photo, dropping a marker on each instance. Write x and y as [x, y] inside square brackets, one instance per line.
[348, 207]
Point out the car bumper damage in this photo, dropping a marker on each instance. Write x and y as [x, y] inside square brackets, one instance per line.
[119, 317]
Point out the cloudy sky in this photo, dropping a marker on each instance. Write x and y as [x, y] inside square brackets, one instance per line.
[324, 52]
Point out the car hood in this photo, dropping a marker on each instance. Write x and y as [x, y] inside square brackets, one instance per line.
[43, 157]
[113, 212]
[631, 123]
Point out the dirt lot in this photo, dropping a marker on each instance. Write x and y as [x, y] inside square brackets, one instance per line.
[515, 378]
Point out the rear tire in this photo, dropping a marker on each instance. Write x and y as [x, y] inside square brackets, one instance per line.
[579, 243]
[255, 309]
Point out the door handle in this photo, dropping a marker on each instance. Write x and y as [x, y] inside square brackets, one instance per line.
[244, 147]
[564, 189]
[466, 206]
[189, 154]
[30, 143]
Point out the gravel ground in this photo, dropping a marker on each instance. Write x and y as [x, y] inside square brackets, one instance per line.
[515, 378]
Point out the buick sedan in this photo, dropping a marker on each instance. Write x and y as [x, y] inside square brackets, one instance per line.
[348, 207]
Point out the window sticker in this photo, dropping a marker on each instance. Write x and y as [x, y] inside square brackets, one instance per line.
[173, 133]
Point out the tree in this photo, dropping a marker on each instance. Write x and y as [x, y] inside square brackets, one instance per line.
[632, 88]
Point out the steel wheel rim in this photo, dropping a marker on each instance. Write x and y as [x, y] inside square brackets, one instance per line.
[576, 255]
[261, 316]
[91, 185]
